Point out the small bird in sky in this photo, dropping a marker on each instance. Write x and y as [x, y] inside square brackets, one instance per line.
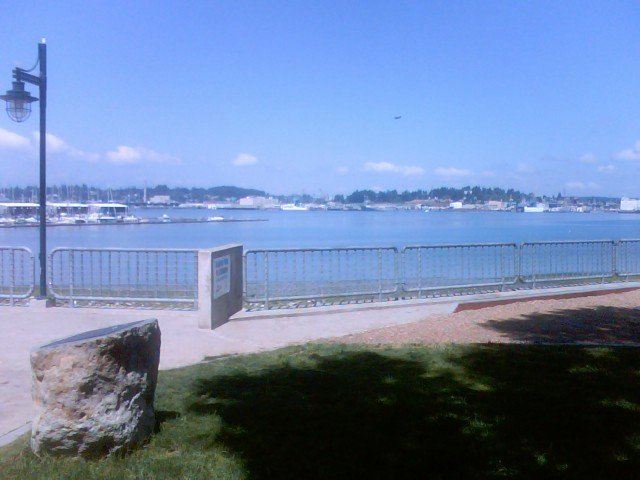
[397, 117]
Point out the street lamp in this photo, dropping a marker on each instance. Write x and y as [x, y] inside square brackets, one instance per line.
[19, 108]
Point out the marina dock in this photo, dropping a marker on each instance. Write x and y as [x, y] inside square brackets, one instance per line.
[143, 221]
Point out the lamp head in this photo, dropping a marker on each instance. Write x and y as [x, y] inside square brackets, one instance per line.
[18, 102]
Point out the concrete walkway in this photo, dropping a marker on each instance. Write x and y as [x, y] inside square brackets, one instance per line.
[22, 328]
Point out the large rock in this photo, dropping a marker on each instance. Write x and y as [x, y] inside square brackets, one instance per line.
[94, 392]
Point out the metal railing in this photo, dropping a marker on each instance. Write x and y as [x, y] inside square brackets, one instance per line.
[17, 274]
[117, 277]
[274, 277]
[542, 262]
[447, 267]
[306, 277]
[627, 259]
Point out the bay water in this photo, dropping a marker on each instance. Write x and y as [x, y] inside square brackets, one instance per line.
[291, 229]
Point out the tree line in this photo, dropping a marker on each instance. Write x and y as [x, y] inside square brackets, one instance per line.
[468, 194]
[87, 193]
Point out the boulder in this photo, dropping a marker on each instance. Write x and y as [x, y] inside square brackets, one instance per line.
[94, 392]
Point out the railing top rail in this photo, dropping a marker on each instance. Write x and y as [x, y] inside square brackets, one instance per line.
[318, 249]
[568, 242]
[20, 249]
[87, 249]
[450, 245]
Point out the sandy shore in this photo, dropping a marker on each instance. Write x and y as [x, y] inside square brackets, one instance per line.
[607, 319]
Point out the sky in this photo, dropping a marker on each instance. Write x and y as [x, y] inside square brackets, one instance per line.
[300, 96]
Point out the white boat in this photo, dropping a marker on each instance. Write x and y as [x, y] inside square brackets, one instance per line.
[65, 220]
[107, 212]
[292, 207]
[537, 209]
[215, 219]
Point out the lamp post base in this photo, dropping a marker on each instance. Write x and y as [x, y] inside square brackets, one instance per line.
[40, 303]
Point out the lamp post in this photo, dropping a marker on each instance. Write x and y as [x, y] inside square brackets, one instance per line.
[19, 109]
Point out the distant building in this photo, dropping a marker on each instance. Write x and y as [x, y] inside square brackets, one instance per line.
[537, 208]
[629, 205]
[160, 200]
[258, 202]
[495, 205]
[455, 205]
[19, 209]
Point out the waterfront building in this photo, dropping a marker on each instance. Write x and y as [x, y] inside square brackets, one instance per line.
[258, 202]
[67, 208]
[18, 209]
[495, 205]
[537, 208]
[629, 205]
[160, 200]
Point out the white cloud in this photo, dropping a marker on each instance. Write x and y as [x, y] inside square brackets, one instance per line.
[383, 167]
[578, 185]
[10, 140]
[524, 168]
[588, 158]
[125, 155]
[630, 153]
[244, 159]
[342, 170]
[452, 172]
[607, 168]
[57, 146]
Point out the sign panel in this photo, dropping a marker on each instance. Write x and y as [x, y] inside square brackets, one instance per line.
[221, 276]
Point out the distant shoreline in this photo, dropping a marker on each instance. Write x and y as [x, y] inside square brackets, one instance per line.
[178, 221]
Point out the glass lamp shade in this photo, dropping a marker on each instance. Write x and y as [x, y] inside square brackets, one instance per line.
[18, 102]
[18, 110]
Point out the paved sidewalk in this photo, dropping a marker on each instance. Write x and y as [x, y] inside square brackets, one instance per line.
[22, 328]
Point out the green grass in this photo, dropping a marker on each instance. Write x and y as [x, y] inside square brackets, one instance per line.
[492, 411]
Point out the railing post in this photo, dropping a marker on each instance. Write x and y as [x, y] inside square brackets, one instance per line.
[534, 265]
[244, 277]
[12, 275]
[502, 270]
[379, 275]
[71, 266]
[614, 259]
[266, 280]
[50, 273]
[400, 270]
[518, 261]
[196, 290]
[419, 250]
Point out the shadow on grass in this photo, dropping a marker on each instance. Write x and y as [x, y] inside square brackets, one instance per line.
[478, 412]
[601, 325]
[163, 416]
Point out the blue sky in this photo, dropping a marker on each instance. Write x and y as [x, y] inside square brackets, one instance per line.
[300, 96]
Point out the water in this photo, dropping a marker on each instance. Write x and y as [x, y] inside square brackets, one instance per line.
[335, 229]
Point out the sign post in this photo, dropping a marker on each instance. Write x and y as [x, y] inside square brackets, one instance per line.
[220, 286]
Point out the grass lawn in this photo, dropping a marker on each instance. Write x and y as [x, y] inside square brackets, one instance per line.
[331, 411]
